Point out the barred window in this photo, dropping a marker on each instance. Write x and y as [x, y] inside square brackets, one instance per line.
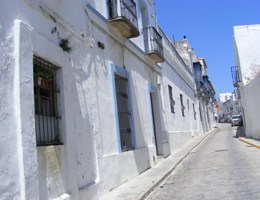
[172, 102]
[124, 113]
[45, 102]
[200, 113]
[182, 106]
[194, 111]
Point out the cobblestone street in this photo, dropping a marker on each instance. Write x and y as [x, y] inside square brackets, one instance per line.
[221, 167]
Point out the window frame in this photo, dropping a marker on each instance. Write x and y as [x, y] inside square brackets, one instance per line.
[182, 106]
[121, 72]
[47, 128]
[172, 102]
[194, 111]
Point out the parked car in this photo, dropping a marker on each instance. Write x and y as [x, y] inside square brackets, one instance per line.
[236, 120]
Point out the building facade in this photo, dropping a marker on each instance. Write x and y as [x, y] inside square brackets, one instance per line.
[92, 94]
[229, 105]
[245, 75]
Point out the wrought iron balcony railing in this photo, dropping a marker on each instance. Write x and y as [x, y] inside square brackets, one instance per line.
[153, 44]
[236, 76]
[201, 89]
[123, 17]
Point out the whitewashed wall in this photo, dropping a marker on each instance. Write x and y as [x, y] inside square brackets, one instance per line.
[247, 54]
[89, 163]
[85, 165]
[247, 57]
[180, 77]
[250, 98]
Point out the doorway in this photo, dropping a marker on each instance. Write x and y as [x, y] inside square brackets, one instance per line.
[156, 123]
[153, 120]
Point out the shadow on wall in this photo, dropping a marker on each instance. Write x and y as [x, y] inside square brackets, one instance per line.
[86, 122]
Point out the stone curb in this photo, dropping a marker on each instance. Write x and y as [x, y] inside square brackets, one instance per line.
[248, 142]
[158, 182]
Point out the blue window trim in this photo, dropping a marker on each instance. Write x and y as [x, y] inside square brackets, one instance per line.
[116, 70]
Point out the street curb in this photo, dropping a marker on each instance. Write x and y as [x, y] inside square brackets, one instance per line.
[157, 183]
[248, 142]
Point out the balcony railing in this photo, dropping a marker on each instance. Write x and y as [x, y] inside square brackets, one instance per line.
[201, 89]
[153, 44]
[123, 17]
[236, 76]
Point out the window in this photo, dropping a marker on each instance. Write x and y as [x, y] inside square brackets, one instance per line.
[182, 106]
[188, 105]
[200, 113]
[124, 113]
[194, 112]
[172, 102]
[45, 102]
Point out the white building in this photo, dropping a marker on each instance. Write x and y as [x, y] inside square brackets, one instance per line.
[204, 91]
[246, 75]
[180, 106]
[84, 104]
[229, 106]
[225, 96]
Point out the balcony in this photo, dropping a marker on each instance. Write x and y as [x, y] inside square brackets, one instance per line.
[123, 17]
[201, 89]
[153, 44]
[236, 76]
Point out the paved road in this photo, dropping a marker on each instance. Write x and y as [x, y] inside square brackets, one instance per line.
[221, 167]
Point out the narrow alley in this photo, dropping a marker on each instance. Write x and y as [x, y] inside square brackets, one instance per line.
[221, 167]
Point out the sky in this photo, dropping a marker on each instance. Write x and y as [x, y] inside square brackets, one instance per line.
[208, 26]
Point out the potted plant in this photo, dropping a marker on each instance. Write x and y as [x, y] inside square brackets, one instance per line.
[42, 77]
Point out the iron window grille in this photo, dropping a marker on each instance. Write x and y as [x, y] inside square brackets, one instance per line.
[124, 113]
[45, 102]
[172, 102]
[182, 106]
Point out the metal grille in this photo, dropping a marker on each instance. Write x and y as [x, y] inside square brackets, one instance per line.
[152, 41]
[124, 114]
[45, 102]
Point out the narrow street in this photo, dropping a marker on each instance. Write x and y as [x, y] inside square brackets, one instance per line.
[221, 167]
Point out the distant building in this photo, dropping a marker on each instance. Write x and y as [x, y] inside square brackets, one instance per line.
[205, 92]
[224, 96]
[246, 75]
[229, 106]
